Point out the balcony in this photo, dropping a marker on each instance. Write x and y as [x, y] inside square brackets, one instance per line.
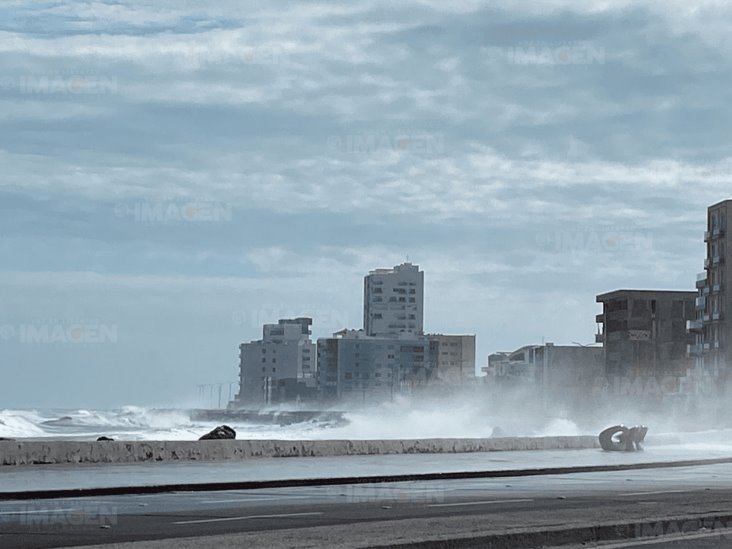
[717, 260]
[706, 317]
[717, 316]
[600, 319]
[707, 236]
[695, 350]
[701, 279]
[694, 325]
[716, 288]
[599, 338]
[700, 302]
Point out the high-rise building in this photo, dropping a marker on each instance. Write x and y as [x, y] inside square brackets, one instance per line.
[356, 367]
[393, 301]
[644, 335]
[712, 330]
[279, 367]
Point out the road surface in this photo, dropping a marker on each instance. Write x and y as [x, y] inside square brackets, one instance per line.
[380, 514]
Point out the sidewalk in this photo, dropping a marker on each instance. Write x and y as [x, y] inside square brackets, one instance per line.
[65, 477]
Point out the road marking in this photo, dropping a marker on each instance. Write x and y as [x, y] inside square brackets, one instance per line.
[653, 493]
[228, 519]
[242, 500]
[38, 511]
[478, 502]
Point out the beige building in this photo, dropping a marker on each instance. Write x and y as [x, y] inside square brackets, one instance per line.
[455, 358]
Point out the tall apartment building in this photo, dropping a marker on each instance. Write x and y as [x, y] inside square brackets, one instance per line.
[279, 367]
[711, 329]
[455, 358]
[644, 333]
[356, 367]
[393, 301]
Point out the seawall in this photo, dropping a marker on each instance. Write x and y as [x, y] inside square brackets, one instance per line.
[38, 452]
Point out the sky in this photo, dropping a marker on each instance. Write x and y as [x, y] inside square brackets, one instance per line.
[177, 173]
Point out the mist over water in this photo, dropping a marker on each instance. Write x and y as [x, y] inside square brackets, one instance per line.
[471, 413]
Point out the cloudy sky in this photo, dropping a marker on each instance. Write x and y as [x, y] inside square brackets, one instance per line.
[175, 173]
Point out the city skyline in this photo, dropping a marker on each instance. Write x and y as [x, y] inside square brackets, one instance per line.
[192, 172]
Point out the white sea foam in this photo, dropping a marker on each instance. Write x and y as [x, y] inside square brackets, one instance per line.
[402, 418]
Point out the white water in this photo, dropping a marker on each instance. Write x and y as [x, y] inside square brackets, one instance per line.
[398, 419]
[389, 421]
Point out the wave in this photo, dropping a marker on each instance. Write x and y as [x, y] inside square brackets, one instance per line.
[402, 418]
[139, 423]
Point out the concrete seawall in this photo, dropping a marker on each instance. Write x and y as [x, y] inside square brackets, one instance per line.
[41, 452]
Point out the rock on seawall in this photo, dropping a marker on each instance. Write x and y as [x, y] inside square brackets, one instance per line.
[49, 452]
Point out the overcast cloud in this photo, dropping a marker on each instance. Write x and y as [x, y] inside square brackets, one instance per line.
[174, 174]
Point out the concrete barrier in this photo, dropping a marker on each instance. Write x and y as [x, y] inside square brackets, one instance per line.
[37, 452]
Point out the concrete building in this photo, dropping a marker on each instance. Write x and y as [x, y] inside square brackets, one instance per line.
[711, 329]
[559, 374]
[393, 301]
[356, 367]
[644, 337]
[279, 367]
[455, 358]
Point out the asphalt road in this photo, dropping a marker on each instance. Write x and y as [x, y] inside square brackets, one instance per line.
[378, 514]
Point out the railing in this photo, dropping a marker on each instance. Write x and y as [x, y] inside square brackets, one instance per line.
[694, 325]
[695, 350]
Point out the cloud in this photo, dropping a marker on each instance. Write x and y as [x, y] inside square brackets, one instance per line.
[527, 156]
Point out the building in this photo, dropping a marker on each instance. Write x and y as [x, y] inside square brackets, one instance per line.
[644, 338]
[711, 330]
[558, 374]
[455, 358]
[356, 367]
[279, 367]
[393, 301]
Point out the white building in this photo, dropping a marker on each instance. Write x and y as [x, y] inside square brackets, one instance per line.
[281, 366]
[393, 302]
